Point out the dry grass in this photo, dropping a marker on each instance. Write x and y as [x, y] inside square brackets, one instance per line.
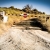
[14, 16]
[48, 24]
[3, 28]
[45, 23]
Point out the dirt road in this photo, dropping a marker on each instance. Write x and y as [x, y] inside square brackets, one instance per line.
[18, 39]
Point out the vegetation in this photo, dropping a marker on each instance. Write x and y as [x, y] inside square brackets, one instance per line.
[27, 9]
[14, 15]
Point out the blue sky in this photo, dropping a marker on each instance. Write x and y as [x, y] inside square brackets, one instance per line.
[41, 5]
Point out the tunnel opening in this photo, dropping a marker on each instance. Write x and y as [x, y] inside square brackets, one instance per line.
[37, 23]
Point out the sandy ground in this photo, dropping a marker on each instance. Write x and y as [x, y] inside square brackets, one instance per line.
[18, 39]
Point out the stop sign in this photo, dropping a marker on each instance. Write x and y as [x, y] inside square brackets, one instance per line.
[24, 15]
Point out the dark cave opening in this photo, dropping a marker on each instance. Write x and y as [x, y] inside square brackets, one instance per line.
[37, 23]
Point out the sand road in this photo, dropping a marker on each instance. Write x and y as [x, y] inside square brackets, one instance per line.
[18, 39]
